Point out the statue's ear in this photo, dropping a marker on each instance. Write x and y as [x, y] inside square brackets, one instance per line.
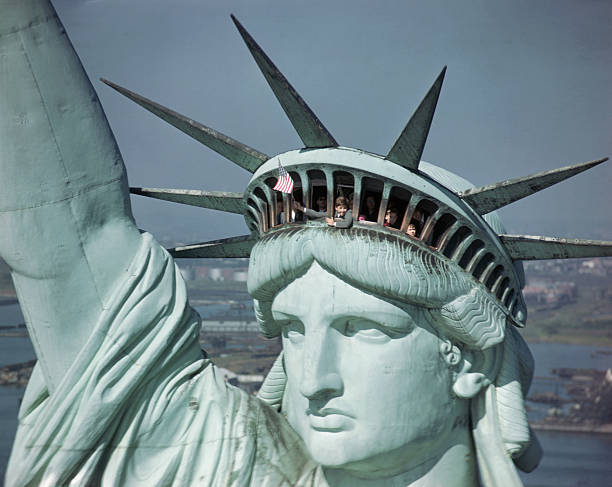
[478, 368]
[469, 384]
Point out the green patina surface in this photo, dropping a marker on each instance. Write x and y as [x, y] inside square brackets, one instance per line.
[122, 394]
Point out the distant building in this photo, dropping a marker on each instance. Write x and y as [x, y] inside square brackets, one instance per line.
[550, 294]
[215, 274]
[594, 267]
[240, 276]
[202, 272]
[187, 272]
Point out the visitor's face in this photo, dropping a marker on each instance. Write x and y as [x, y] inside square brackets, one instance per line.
[321, 202]
[391, 218]
[367, 388]
[411, 230]
[341, 210]
[370, 203]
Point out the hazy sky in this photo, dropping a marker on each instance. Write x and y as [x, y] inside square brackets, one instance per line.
[528, 88]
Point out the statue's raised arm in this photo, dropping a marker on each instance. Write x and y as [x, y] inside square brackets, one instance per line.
[68, 234]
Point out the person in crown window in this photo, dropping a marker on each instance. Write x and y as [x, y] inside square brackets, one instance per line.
[391, 218]
[343, 216]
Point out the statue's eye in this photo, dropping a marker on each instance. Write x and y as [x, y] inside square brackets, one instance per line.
[294, 331]
[367, 330]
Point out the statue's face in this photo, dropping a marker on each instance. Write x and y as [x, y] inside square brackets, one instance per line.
[367, 388]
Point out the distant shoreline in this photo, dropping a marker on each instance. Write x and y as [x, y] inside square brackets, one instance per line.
[585, 339]
[602, 429]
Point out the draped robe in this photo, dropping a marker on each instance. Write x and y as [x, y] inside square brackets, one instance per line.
[142, 406]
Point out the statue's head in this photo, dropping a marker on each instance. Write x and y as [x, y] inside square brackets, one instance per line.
[390, 340]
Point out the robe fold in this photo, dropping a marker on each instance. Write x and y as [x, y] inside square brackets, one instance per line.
[142, 406]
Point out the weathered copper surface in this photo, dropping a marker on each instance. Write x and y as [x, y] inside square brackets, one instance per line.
[408, 147]
[526, 247]
[485, 199]
[235, 151]
[308, 126]
[222, 248]
[230, 202]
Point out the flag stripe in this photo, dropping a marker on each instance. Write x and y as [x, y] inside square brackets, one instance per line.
[285, 182]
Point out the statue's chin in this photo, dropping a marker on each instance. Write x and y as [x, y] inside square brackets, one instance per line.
[382, 466]
[344, 455]
[444, 462]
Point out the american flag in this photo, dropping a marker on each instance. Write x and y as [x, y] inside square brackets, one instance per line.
[284, 183]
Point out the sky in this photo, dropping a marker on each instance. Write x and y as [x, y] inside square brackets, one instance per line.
[528, 89]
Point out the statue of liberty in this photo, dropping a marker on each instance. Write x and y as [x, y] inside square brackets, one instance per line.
[401, 365]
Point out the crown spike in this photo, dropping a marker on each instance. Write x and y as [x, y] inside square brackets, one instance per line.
[408, 147]
[310, 129]
[485, 199]
[214, 200]
[527, 247]
[238, 153]
[224, 248]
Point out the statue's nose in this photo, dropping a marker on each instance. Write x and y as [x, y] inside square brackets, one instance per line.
[321, 378]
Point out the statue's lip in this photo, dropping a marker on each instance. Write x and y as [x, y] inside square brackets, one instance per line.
[321, 413]
[331, 423]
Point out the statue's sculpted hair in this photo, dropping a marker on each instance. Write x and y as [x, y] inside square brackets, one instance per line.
[380, 263]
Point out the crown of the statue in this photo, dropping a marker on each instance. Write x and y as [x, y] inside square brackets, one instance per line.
[452, 223]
